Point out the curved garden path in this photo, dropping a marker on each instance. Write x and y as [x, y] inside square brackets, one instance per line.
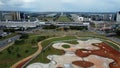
[20, 63]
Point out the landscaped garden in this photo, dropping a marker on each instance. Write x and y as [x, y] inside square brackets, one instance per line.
[49, 49]
[19, 50]
[63, 19]
[65, 46]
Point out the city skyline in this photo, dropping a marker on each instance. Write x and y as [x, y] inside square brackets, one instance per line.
[61, 5]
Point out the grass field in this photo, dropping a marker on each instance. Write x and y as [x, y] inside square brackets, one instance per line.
[17, 52]
[66, 46]
[72, 42]
[63, 19]
[50, 50]
[112, 45]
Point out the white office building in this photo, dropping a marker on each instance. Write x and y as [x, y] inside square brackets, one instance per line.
[118, 17]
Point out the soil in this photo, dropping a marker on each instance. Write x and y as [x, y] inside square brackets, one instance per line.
[83, 63]
[104, 51]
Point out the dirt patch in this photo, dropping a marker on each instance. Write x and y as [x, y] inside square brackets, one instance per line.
[21, 64]
[104, 51]
[83, 63]
[59, 67]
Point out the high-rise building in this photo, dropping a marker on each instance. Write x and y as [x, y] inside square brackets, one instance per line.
[16, 15]
[106, 17]
[8, 16]
[118, 17]
[13, 16]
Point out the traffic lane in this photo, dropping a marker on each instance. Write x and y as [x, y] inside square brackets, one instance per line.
[9, 40]
[114, 39]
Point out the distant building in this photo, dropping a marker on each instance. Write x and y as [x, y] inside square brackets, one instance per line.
[118, 17]
[17, 24]
[12, 16]
[62, 13]
[78, 18]
[0, 15]
[106, 17]
[83, 19]
[51, 15]
[8, 16]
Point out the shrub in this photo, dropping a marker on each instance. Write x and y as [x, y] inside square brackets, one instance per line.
[18, 55]
[24, 36]
[19, 42]
[26, 51]
[65, 46]
[50, 27]
[118, 32]
[40, 38]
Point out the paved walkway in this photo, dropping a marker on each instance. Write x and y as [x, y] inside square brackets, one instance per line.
[16, 65]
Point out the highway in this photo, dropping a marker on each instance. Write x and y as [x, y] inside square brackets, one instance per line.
[102, 33]
[8, 41]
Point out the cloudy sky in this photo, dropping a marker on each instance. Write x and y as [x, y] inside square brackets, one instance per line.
[61, 5]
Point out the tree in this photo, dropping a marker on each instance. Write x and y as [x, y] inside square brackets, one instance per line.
[118, 32]
[26, 51]
[33, 41]
[18, 55]
[24, 36]
[19, 42]
[1, 37]
[40, 38]
[9, 51]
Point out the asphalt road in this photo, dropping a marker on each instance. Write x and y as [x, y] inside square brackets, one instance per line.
[102, 33]
[114, 39]
[8, 41]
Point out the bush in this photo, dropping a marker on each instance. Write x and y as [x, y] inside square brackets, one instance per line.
[24, 36]
[65, 46]
[19, 42]
[40, 38]
[18, 55]
[118, 32]
[9, 51]
[9, 30]
[78, 27]
[50, 27]
[1, 37]
[26, 51]
[33, 41]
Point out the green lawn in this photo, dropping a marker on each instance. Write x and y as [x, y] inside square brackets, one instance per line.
[66, 46]
[112, 45]
[50, 50]
[17, 52]
[72, 42]
[47, 42]
[63, 19]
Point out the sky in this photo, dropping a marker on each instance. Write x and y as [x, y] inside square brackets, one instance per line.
[61, 5]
